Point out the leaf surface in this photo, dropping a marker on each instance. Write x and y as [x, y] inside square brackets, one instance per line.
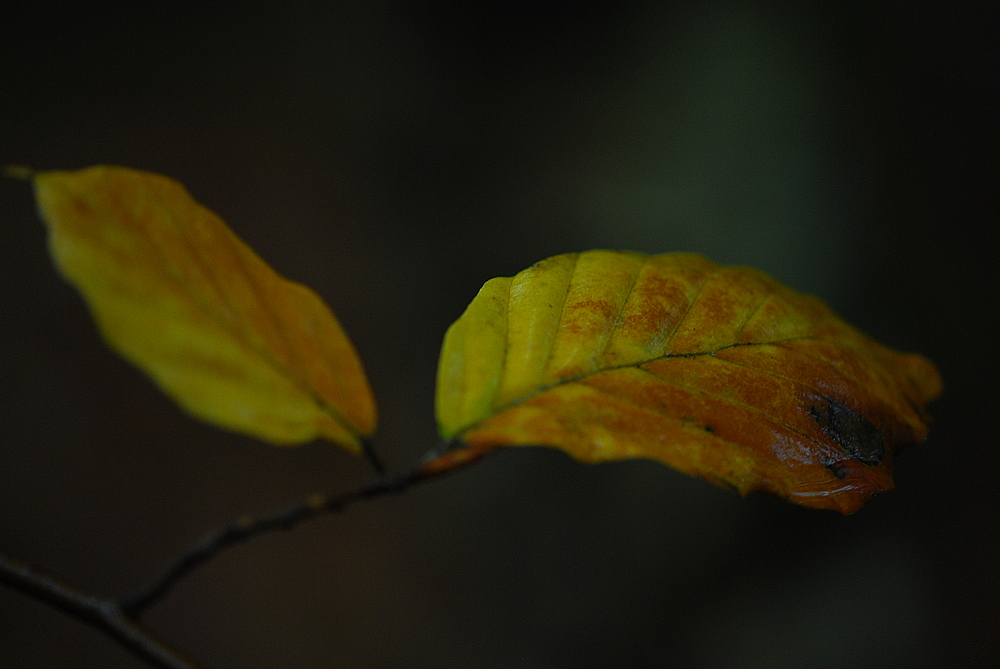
[720, 372]
[177, 293]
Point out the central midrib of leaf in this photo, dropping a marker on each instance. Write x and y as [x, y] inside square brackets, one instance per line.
[638, 365]
[216, 312]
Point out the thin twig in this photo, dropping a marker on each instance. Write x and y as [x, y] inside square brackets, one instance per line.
[105, 615]
[120, 620]
[215, 541]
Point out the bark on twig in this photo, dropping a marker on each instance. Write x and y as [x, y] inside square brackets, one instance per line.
[215, 541]
[120, 619]
[106, 615]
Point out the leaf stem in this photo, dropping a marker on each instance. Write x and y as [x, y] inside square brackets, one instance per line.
[246, 527]
[106, 615]
[372, 455]
[19, 172]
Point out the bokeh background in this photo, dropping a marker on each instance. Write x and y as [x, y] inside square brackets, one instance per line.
[394, 156]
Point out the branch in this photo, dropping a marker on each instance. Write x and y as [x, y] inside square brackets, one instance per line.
[105, 615]
[215, 541]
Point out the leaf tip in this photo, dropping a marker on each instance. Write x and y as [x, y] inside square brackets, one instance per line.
[19, 172]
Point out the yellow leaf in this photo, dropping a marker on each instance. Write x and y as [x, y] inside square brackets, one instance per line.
[717, 371]
[178, 294]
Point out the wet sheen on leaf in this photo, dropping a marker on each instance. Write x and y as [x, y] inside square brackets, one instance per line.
[720, 372]
[177, 293]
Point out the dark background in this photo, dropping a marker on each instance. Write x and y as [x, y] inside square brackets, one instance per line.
[394, 156]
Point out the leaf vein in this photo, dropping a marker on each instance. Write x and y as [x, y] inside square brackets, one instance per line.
[223, 300]
[618, 317]
[706, 393]
[638, 364]
[690, 307]
[562, 313]
[752, 313]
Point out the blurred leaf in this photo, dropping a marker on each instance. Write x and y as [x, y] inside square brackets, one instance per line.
[178, 294]
[716, 371]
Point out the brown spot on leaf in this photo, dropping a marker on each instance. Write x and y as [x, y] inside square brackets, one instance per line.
[837, 468]
[852, 431]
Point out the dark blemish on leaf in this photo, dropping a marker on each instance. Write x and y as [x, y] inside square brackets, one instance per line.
[691, 421]
[837, 468]
[852, 431]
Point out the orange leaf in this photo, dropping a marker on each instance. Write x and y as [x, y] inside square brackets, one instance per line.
[717, 371]
[177, 293]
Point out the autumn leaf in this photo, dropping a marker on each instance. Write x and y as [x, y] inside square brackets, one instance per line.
[720, 372]
[177, 293]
